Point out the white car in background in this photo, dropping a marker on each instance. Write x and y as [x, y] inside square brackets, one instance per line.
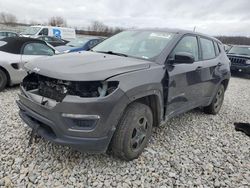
[14, 53]
[58, 32]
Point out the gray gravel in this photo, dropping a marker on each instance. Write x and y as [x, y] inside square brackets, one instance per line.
[193, 149]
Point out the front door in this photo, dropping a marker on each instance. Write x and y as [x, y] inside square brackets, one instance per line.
[184, 79]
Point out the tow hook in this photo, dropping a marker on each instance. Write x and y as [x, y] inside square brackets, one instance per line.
[33, 133]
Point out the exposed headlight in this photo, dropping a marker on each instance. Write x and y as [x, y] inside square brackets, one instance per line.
[92, 88]
[248, 62]
[58, 89]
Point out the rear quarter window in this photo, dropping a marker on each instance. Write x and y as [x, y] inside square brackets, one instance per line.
[217, 49]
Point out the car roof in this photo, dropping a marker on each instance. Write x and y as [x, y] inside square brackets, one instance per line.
[176, 31]
[14, 44]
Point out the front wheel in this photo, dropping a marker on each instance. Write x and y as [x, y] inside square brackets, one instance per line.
[133, 132]
[217, 102]
[3, 80]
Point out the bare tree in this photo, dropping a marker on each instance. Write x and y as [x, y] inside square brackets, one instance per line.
[238, 40]
[98, 26]
[102, 29]
[57, 21]
[7, 18]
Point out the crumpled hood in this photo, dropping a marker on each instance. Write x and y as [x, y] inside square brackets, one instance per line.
[85, 66]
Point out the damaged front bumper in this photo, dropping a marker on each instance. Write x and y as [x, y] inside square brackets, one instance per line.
[85, 124]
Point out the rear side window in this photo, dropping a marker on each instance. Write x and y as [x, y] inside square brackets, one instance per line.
[207, 47]
[92, 43]
[37, 49]
[187, 44]
[217, 49]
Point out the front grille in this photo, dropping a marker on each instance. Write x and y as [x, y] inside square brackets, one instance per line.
[238, 60]
[46, 87]
[57, 89]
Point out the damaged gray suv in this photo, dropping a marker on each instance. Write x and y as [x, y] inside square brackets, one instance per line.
[109, 98]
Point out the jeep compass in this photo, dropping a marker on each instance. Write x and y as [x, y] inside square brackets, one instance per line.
[109, 98]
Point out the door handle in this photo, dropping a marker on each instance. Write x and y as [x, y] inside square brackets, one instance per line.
[199, 68]
[219, 64]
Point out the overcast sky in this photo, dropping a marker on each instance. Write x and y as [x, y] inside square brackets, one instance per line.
[214, 17]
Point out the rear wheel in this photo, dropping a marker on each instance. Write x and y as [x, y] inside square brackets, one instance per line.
[3, 80]
[133, 132]
[217, 102]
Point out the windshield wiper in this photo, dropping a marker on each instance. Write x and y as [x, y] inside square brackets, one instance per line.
[112, 53]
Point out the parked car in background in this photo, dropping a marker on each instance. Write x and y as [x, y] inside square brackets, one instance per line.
[53, 40]
[239, 56]
[80, 44]
[227, 47]
[14, 53]
[109, 98]
[59, 32]
[4, 34]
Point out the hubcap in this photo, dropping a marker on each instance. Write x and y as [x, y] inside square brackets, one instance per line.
[218, 99]
[139, 133]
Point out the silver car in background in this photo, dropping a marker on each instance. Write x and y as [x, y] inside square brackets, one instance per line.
[14, 53]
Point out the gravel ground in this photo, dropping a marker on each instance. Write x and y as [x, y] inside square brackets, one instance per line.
[193, 149]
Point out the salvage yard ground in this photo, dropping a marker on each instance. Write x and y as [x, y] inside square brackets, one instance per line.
[193, 149]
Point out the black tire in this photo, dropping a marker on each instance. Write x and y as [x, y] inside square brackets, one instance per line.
[3, 80]
[133, 132]
[217, 102]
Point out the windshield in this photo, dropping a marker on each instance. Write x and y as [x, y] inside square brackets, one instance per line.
[78, 43]
[140, 44]
[31, 31]
[240, 50]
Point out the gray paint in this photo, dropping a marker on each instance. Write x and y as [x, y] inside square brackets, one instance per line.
[184, 86]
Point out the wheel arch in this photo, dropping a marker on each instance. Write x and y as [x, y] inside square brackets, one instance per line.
[225, 83]
[154, 100]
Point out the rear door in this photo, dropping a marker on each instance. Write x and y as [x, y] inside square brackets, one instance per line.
[184, 91]
[210, 68]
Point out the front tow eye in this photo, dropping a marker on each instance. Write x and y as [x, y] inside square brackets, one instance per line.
[33, 133]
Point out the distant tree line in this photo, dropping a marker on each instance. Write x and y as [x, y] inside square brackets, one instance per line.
[99, 28]
[95, 28]
[238, 40]
[7, 18]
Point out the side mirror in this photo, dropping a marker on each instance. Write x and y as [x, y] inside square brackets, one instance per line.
[183, 58]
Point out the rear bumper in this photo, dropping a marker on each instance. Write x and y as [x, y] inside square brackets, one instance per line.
[241, 68]
[53, 126]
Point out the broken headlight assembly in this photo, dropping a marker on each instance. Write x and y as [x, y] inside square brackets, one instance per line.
[58, 89]
[92, 88]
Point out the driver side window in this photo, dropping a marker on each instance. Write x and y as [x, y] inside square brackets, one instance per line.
[37, 49]
[188, 44]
